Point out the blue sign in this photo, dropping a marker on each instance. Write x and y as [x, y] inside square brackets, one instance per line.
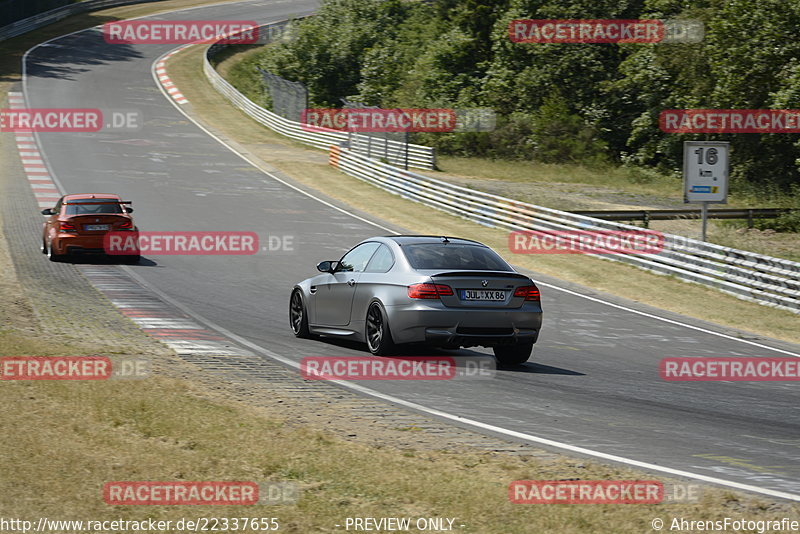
[700, 189]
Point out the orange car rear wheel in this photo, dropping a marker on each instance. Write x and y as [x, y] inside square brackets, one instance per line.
[51, 255]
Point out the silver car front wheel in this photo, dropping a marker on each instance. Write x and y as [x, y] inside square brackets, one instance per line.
[298, 319]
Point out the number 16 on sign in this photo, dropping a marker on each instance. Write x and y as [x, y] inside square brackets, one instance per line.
[705, 175]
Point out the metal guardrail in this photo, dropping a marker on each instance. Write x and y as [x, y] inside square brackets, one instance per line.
[665, 215]
[418, 156]
[770, 281]
[54, 15]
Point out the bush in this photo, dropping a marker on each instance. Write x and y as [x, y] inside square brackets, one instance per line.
[787, 222]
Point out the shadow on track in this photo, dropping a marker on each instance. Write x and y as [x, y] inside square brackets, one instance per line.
[91, 259]
[530, 367]
[76, 54]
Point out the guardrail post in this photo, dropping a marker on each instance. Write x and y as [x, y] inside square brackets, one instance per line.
[750, 218]
[646, 219]
[704, 214]
[405, 166]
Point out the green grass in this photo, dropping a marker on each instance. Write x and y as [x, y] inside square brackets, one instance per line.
[633, 179]
[242, 72]
[572, 187]
[629, 179]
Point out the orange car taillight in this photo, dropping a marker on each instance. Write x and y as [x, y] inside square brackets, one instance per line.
[127, 225]
[529, 292]
[67, 227]
[429, 291]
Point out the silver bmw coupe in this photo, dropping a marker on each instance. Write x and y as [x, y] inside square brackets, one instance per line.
[435, 290]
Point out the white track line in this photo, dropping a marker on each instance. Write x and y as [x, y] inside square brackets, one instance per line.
[671, 321]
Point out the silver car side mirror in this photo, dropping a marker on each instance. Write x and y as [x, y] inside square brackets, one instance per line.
[327, 266]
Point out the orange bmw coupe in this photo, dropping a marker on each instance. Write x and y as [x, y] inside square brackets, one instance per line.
[78, 223]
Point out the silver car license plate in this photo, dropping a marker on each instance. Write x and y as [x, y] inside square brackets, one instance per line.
[483, 294]
[96, 227]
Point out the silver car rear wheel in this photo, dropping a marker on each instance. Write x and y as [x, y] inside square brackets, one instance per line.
[512, 355]
[379, 339]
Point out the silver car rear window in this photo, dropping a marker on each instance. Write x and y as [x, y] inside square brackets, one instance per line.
[454, 256]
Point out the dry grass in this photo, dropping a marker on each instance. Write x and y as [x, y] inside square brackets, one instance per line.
[631, 180]
[71, 438]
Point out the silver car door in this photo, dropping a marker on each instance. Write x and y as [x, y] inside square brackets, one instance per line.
[334, 295]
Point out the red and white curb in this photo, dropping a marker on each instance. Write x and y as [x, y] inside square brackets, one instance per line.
[44, 189]
[157, 318]
[163, 77]
[153, 315]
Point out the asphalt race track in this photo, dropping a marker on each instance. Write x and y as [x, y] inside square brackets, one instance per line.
[593, 382]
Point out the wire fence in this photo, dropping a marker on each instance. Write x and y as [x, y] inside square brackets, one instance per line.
[395, 152]
[289, 99]
[375, 144]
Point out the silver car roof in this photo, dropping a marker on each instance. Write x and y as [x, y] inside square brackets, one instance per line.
[429, 239]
